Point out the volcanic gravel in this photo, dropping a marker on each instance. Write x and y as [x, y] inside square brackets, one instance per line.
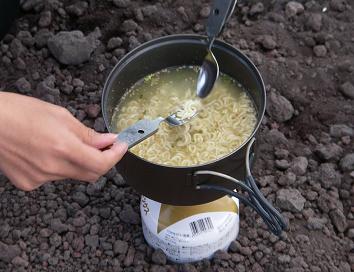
[62, 52]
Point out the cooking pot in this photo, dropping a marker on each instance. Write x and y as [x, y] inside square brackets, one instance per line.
[8, 12]
[205, 182]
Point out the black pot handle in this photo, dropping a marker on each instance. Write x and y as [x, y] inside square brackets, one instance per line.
[255, 198]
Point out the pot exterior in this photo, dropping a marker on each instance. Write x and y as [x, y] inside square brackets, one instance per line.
[176, 185]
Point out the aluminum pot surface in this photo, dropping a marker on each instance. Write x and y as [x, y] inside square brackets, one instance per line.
[177, 185]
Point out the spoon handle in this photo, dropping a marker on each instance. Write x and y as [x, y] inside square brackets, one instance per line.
[139, 131]
[220, 13]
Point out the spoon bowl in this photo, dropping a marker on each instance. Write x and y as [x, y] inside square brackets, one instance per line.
[208, 74]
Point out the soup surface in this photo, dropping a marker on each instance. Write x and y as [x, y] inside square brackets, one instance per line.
[225, 119]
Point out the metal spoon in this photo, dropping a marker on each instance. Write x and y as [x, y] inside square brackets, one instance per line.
[145, 128]
[209, 71]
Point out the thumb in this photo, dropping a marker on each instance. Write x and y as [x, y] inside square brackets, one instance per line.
[98, 140]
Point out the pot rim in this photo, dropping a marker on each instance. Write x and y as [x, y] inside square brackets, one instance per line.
[176, 37]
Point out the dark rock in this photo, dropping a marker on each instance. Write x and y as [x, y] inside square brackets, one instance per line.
[338, 220]
[128, 215]
[36, 5]
[4, 229]
[347, 89]
[275, 137]
[315, 223]
[18, 261]
[340, 130]
[287, 179]
[41, 37]
[159, 257]
[71, 48]
[129, 25]
[328, 176]
[129, 258]
[23, 85]
[8, 252]
[58, 226]
[282, 164]
[314, 22]
[150, 10]
[293, 8]
[80, 198]
[133, 42]
[204, 12]
[45, 232]
[120, 247]
[320, 51]
[79, 221]
[256, 9]
[113, 43]
[121, 3]
[91, 241]
[329, 151]
[78, 243]
[93, 110]
[268, 42]
[221, 255]
[46, 19]
[338, 5]
[77, 9]
[299, 166]
[279, 108]
[55, 240]
[347, 163]
[16, 48]
[290, 200]
[99, 125]
[26, 38]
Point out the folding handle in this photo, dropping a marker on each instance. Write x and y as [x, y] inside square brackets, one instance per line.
[220, 13]
[255, 198]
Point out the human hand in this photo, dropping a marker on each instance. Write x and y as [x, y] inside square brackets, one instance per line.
[41, 142]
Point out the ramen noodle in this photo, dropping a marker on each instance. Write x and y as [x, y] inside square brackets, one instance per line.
[224, 120]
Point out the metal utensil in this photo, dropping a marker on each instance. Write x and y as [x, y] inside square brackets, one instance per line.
[209, 71]
[145, 128]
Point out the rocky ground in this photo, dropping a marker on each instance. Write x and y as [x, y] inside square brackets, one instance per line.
[305, 52]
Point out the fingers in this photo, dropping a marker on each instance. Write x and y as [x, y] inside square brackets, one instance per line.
[94, 160]
[97, 140]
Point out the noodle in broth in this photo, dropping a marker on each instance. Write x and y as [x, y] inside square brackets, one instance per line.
[225, 120]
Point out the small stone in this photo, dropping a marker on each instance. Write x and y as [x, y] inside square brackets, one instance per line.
[23, 85]
[329, 151]
[338, 5]
[221, 255]
[314, 22]
[78, 82]
[159, 257]
[129, 25]
[55, 240]
[119, 52]
[293, 8]
[80, 198]
[283, 259]
[133, 42]
[58, 226]
[149, 10]
[256, 9]
[347, 89]
[204, 12]
[17, 48]
[338, 220]
[114, 43]
[78, 243]
[128, 215]
[45, 232]
[70, 48]
[290, 200]
[120, 247]
[46, 19]
[99, 125]
[279, 108]
[105, 212]
[328, 176]
[299, 165]
[77, 9]
[121, 3]
[282, 164]
[8, 252]
[91, 241]
[93, 110]
[320, 51]
[287, 179]
[4, 230]
[347, 163]
[268, 42]
[26, 38]
[41, 37]
[18, 261]
[351, 233]
[129, 258]
[315, 223]
[340, 130]
[79, 221]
